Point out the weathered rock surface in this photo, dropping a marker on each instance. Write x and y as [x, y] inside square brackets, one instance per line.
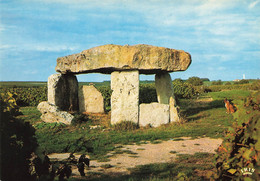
[165, 94]
[154, 114]
[125, 96]
[90, 100]
[174, 112]
[63, 91]
[164, 87]
[51, 113]
[108, 58]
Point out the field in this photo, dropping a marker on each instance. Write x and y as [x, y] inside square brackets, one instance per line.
[203, 116]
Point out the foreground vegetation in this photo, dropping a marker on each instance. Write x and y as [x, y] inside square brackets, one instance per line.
[203, 114]
[202, 119]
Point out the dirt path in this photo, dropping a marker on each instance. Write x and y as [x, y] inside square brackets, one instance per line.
[134, 155]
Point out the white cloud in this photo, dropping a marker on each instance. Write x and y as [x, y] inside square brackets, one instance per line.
[41, 48]
[51, 48]
[2, 47]
[253, 4]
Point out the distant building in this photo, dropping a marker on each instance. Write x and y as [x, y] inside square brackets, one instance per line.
[236, 80]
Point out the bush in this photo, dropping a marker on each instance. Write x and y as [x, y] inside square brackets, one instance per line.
[106, 93]
[241, 147]
[218, 82]
[27, 96]
[147, 93]
[243, 81]
[255, 85]
[17, 141]
[195, 81]
[228, 83]
[183, 89]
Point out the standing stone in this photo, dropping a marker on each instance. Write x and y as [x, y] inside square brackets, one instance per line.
[174, 113]
[63, 91]
[154, 114]
[125, 96]
[164, 87]
[90, 100]
[165, 94]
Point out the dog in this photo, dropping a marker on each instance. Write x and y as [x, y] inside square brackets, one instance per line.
[230, 108]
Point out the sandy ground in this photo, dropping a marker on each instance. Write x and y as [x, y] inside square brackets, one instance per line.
[165, 151]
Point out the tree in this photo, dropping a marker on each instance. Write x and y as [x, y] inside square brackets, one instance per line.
[196, 81]
[218, 82]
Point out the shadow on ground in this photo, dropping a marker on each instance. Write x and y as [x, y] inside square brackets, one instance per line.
[195, 109]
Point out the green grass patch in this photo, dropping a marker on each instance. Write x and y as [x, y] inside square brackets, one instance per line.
[54, 137]
[207, 119]
[230, 94]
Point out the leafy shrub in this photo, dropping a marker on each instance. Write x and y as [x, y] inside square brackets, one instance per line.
[218, 82]
[243, 81]
[241, 147]
[17, 141]
[255, 85]
[205, 79]
[27, 96]
[125, 126]
[183, 89]
[147, 93]
[8, 103]
[106, 93]
[195, 81]
[228, 83]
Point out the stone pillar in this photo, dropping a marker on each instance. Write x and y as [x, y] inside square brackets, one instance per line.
[90, 100]
[164, 87]
[63, 91]
[165, 94]
[174, 112]
[125, 96]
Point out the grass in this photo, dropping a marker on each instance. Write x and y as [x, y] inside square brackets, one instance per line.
[203, 119]
[231, 94]
[208, 119]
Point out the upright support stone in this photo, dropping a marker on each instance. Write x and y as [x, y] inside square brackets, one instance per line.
[165, 94]
[90, 100]
[164, 88]
[125, 96]
[174, 112]
[63, 91]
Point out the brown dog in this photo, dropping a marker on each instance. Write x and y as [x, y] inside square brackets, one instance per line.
[229, 106]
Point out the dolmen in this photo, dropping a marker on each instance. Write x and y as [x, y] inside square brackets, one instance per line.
[125, 64]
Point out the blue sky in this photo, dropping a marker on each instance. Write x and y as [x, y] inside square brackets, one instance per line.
[222, 36]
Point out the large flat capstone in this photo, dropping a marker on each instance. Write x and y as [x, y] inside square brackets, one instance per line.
[147, 59]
